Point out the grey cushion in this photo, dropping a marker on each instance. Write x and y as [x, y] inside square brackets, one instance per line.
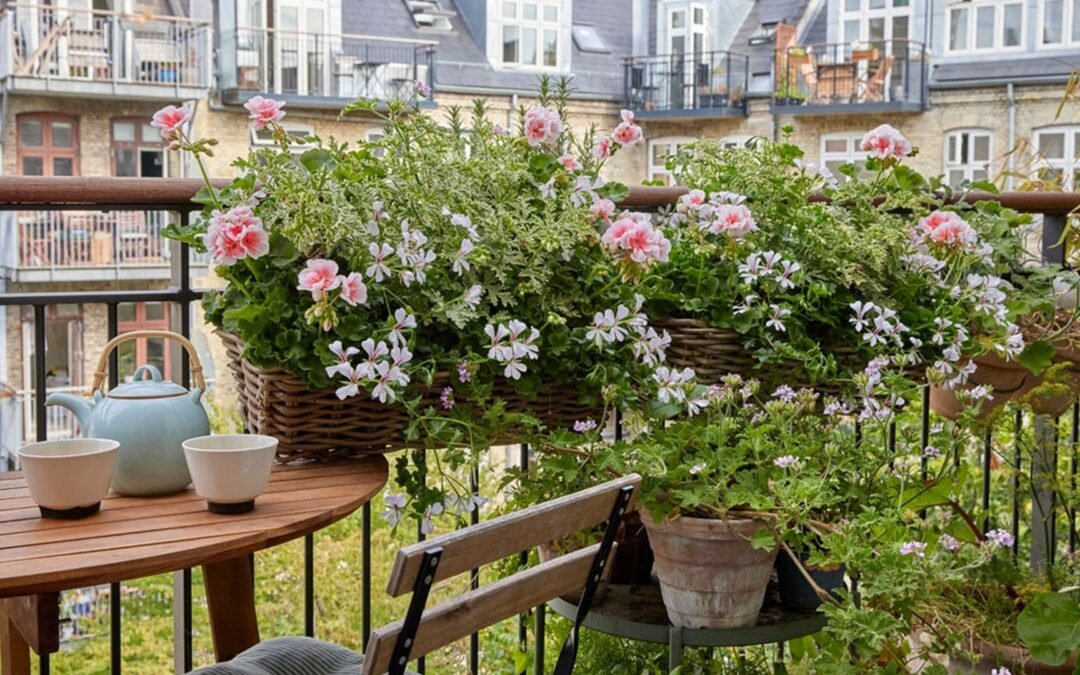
[290, 656]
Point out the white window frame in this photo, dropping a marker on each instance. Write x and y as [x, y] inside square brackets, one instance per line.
[999, 25]
[291, 128]
[1067, 40]
[864, 14]
[689, 29]
[1069, 164]
[851, 155]
[655, 171]
[562, 28]
[970, 166]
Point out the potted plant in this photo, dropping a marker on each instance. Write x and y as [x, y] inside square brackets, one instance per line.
[429, 290]
[724, 490]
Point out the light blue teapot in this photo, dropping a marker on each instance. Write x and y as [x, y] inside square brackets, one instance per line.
[150, 418]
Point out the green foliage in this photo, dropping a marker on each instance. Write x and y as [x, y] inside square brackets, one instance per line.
[1050, 627]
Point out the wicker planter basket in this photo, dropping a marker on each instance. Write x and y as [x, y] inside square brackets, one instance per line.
[317, 425]
[714, 352]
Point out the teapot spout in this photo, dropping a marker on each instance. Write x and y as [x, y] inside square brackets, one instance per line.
[80, 406]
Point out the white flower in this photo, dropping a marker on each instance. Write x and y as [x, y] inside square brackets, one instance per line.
[472, 296]
[343, 355]
[461, 265]
[399, 356]
[778, 314]
[672, 383]
[353, 375]
[378, 269]
[789, 269]
[696, 469]
[1014, 343]
[746, 305]
[751, 270]
[547, 190]
[862, 310]
[402, 321]
[427, 525]
[464, 222]
[788, 462]
[374, 352]
[394, 504]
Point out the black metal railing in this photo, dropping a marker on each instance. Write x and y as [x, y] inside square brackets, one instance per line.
[875, 73]
[699, 81]
[1056, 441]
[324, 65]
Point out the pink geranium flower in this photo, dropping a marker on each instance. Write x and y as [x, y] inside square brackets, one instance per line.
[319, 277]
[543, 127]
[948, 229]
[633, 237]
[886, 142]
[734, 220]
[628, 132]
[603, 208]
[263, 111]
[235, 234]
[570, 163]
[602, 148]
[353, 290]
[170, 120]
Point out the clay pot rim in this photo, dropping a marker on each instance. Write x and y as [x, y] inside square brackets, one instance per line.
[702, 524]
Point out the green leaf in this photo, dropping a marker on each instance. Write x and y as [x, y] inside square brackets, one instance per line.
[614, 191]
[316, 158]
[763, 540]
[206, 195]
[1050, 627]
[1037, 356]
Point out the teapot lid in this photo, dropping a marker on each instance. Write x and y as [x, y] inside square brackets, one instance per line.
[155, 387]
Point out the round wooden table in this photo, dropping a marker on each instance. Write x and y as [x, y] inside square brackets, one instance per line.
[134, 537]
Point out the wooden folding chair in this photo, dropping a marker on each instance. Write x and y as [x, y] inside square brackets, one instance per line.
[419, 566]
[875, 86]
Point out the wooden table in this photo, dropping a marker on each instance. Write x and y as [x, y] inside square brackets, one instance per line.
[139, 537]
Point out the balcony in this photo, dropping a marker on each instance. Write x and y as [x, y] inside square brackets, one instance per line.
[57, 246]
[103, 54]
[673, 86]
[317, 70]
[883, 76]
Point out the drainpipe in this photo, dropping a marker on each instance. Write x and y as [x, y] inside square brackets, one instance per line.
[1011, 98]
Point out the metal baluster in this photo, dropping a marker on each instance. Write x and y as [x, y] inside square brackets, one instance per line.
[924, 438]
[523, 557]
[115, 604]
[309, 585]
[988, 448]
[1018, 427]
[420, 536]
[474, 583]
[40, 418]
[1072, 474]
[365, 584]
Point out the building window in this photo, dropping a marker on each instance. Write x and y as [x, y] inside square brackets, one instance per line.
[687, 28]
[967, 156]
[48, 144]
[1060, 21]
[299, 133]
[875, 21]
[659, 150]
[142, 316]
[137, 149]
[985, 25]
[1059, 154]
[531, 33]
[840, 149]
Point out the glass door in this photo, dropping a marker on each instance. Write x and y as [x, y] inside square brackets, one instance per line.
[301, 47]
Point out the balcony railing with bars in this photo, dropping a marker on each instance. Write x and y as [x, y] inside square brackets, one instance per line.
[322, 66]
[38, 246]
[66, 50]
[687, 84]
[884, 75]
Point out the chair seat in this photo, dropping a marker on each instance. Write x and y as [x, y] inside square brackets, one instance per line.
[290, 656]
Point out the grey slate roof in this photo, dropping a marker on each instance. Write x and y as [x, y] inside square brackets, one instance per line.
[761, 56]
[1032, 68]
[461, 64]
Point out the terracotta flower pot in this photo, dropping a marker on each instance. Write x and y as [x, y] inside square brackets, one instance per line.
[710, 576]
[1008, 379]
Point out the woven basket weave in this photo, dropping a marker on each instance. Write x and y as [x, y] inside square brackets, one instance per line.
[715, 352]
[317, 425]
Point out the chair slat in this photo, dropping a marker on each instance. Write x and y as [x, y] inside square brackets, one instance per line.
[501, 537]
[483, 607]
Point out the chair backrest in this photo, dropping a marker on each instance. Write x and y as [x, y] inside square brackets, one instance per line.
[467, 549]
[878, 78]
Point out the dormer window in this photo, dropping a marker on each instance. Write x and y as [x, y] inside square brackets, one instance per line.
[532, 33]
[430, 14]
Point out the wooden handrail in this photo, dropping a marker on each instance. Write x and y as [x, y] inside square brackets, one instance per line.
[29, 192]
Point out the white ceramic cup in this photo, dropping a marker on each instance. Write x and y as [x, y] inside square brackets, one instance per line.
[230, 470]
[69, 478]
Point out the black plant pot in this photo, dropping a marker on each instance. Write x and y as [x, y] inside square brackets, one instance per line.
[795, 592]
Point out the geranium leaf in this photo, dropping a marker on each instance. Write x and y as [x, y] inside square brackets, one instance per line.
[1050, 627]
[1037, 356]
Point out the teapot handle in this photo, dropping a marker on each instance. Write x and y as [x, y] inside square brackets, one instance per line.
[103, 362]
